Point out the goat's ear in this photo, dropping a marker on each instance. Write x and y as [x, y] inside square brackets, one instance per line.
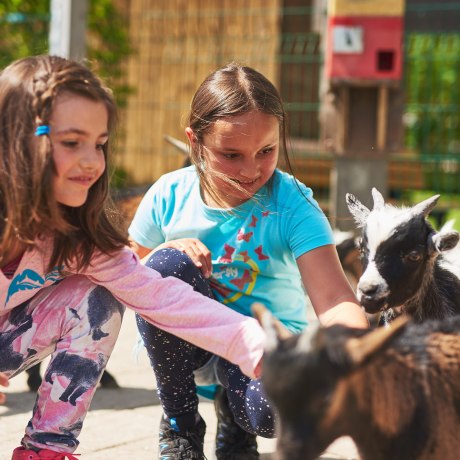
[425, 207]
[360, 349]
[379, 201]
[357, 209]
[445, 240]
[274, 329]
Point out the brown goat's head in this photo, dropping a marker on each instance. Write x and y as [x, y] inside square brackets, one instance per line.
[302, 375]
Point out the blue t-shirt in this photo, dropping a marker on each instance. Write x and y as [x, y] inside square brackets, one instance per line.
[254, 246]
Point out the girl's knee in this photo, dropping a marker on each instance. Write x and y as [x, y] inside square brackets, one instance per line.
[172, 262]
[262, 420]
[166, 258]
[248, 400]
[105, 313]
[77, 301]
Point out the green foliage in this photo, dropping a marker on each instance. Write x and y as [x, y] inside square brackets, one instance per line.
[433, 106]
[109, 45]
[432, 91]
[118, 177]
[24, 28]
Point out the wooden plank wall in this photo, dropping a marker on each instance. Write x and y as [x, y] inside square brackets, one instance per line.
[178, 43]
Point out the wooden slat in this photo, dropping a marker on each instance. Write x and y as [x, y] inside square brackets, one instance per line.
[315, 172]
[178, 43]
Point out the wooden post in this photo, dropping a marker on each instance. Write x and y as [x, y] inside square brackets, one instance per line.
[382, 117]
[344, 110]
[67, 36]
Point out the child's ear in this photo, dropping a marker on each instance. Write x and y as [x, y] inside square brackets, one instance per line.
[190, 135]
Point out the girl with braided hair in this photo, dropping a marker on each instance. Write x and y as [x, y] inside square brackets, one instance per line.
[66, 269]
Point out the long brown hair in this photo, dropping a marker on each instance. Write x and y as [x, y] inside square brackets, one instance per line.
[229, 91]
[28, 89]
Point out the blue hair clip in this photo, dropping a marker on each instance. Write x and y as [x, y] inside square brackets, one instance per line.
[42, 130]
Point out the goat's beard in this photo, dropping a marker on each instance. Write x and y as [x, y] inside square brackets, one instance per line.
[389, 315]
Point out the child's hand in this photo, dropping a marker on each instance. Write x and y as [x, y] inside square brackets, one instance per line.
[195, 249]
[258, 370]
[3, 382]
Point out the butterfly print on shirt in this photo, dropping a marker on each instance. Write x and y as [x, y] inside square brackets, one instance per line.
[260, 255]
[244, 236]
[227, 257]
[241, 282]
[254, 221]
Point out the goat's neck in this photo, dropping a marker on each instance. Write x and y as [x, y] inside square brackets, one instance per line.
[438, 296]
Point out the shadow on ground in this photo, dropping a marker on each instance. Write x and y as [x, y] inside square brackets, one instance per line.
[116, 399]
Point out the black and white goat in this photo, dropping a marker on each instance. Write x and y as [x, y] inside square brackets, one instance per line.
[395, 391]
[408, 267]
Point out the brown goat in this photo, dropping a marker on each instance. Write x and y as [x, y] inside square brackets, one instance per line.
[395, 391]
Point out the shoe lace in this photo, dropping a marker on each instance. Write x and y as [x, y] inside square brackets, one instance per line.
[187, 440]
[196, 443]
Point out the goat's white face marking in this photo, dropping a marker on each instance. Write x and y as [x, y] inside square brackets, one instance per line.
[372, 278]
[381, 224]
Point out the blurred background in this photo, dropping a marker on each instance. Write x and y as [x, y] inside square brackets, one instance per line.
[372, 88]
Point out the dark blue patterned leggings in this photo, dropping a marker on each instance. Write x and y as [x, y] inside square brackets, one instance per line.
[174, 360]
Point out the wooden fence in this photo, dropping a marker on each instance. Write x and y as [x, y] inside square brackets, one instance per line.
[178, 43]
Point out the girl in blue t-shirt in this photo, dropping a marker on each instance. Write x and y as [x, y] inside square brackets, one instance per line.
[240, 230]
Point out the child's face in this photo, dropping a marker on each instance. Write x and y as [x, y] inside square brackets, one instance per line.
[79, 129]
[245, 148]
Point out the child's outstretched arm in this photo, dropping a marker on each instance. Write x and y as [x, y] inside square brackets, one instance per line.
[330, 292]
[4, 383]
[173, 305]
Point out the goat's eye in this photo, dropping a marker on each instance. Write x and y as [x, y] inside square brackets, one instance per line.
[413, 256]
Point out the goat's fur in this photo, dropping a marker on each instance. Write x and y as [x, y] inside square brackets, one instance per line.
[348, 253]
[408, 267]
[395, 391]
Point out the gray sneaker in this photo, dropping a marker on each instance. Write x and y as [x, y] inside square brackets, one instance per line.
[176, 443]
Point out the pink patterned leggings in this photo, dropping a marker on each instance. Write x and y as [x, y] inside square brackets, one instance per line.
[77, 323]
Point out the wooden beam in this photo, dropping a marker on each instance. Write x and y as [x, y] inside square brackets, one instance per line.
[382, 117]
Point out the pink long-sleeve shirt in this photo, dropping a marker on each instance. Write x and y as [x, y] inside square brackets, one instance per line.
[169, 303]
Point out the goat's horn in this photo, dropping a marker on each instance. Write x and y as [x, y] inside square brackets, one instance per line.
[360, 349]
[379, 201]
[273, 327]
[425, 207]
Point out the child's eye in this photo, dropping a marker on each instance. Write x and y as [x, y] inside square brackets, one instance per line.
[230, 156]
[266, 151]
[100, 146]
[70, 144]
